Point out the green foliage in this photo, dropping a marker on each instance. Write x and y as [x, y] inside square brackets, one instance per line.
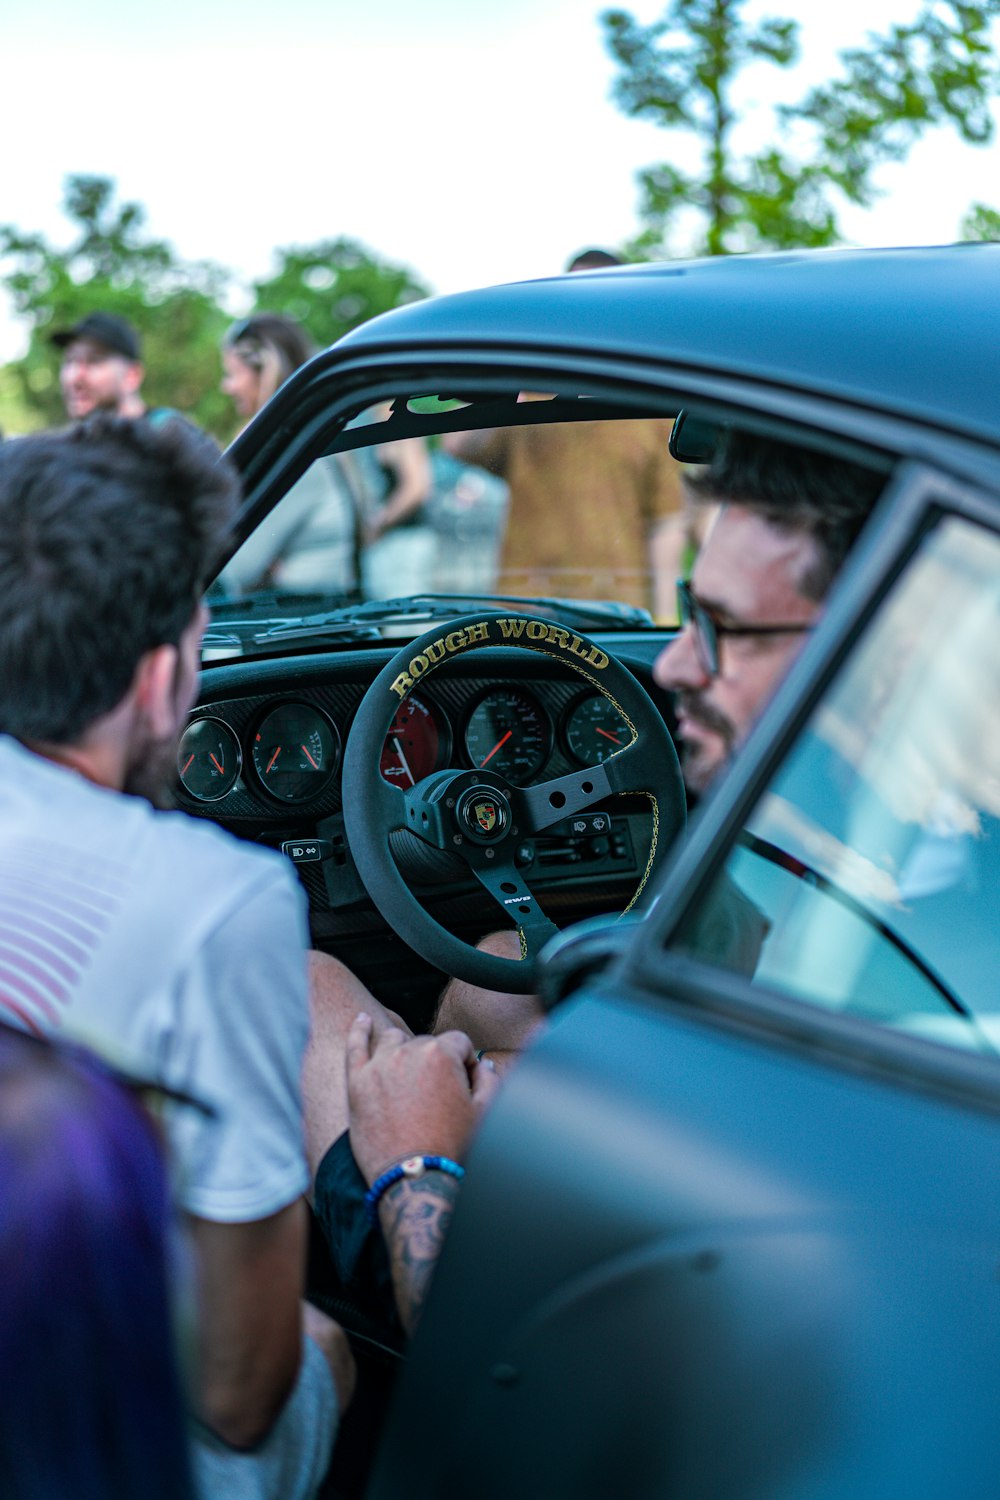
[113, 266]
[333, 286]
[681, 70]
[981, 223]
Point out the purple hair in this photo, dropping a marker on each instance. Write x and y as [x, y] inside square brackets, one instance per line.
[91, 1403]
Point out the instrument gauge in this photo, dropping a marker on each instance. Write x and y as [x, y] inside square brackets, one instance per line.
[417, 743]
[510, 733]
[295, 752]
[209, 760]
[594, 729]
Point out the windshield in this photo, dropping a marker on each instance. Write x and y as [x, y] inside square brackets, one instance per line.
[419, 506]
[866, 879]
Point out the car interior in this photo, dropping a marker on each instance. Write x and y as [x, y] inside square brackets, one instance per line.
[333, 720]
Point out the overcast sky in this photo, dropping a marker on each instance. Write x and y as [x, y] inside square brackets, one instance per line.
[473, 143]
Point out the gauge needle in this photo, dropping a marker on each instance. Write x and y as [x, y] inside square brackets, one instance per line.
[274, 757]
[187, 763]
[612, 737]
[403, 761]
[309, 758]
[221, 769]
[497, 746]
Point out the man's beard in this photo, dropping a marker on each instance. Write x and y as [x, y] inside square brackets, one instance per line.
[151, 774]
[694, 706]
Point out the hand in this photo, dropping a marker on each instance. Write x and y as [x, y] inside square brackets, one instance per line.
[410, 1096]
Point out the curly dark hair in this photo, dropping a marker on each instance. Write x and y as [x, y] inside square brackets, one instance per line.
[796, 489]
[109, 531]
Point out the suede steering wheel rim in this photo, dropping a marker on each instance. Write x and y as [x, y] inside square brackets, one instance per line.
[477, 815]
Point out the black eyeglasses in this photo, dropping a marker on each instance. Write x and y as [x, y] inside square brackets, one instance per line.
[708, 630]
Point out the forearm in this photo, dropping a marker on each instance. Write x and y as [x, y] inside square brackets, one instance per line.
[250, 1322]
[415, 1215]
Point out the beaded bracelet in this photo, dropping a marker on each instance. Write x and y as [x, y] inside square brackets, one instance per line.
[413, 1166]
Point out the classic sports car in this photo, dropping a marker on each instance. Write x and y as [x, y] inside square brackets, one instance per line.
[730, 1230]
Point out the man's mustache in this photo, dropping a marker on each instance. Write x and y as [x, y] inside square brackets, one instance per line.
[694, 706]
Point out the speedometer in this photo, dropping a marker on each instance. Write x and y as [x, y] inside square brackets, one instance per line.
[508, 732]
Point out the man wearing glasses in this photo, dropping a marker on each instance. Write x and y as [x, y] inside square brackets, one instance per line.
[787, 520]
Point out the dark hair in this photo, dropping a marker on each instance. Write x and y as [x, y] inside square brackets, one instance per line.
[272, 344]
[796, 489]
[593, 259]
[91, 1401]
[108, 534]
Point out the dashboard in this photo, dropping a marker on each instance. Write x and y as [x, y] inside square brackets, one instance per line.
[262, 756]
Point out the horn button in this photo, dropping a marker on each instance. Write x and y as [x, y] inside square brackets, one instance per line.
[484, 814]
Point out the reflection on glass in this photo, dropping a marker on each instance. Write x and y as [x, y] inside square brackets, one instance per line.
[867, 877]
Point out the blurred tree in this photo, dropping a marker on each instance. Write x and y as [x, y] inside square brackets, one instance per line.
[683, 70]
[112, 265]
[333, 286]
[981, 223]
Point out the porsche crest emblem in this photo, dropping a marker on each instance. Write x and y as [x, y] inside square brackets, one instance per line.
[486, 815]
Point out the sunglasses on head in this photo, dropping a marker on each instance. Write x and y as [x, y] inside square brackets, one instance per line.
[247, 328]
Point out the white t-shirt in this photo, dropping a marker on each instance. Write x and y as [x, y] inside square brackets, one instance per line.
[172, 948]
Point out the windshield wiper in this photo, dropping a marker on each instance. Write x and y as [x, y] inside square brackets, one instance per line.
[581, 614]
[242, 633]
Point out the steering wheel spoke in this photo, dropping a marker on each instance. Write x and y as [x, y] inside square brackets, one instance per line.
[634, 769]
[538, 807]
[514, 899]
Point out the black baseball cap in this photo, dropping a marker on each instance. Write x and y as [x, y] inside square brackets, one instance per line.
[112, 332]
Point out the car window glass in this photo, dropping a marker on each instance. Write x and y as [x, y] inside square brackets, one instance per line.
[866, 878]
[589, 510]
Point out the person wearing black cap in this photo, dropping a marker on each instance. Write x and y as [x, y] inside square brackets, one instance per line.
[101, 367]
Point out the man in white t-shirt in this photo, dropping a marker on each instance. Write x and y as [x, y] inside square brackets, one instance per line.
[159, 940]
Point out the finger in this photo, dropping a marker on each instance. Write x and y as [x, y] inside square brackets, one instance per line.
[485, 1085]
[357, 1049]
[458, 1045]
[391, 1037]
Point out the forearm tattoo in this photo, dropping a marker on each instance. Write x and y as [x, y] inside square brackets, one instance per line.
[415, 1215]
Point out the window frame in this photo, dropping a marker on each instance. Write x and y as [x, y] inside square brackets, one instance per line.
[918, 496]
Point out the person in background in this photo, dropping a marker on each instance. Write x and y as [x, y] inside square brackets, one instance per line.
[310, 542]
[102, 369]
[594, 259]
[91, 1398]
[616, 480]
[392, 483]
[258, 355]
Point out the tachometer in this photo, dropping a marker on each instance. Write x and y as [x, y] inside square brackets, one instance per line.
[295, 752]
[508, 732]
[416, 745]
[594, 729]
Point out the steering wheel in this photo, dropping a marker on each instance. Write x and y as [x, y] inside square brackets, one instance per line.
[474, 820]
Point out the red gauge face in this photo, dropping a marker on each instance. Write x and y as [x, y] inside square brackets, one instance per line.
[416, 744]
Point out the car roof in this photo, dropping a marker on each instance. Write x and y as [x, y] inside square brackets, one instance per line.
[912, 331]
